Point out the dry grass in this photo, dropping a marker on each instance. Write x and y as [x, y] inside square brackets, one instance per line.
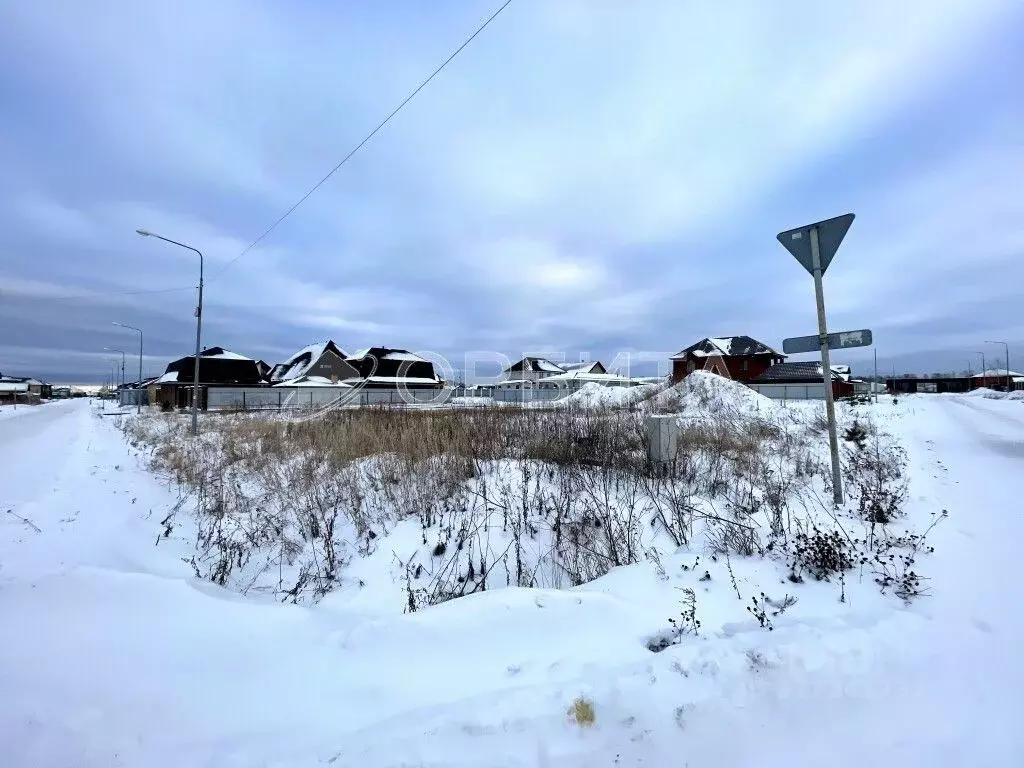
[531, 497]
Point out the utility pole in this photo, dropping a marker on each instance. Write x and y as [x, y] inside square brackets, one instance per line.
[199, 324]
[875, 385]
[984, 367]
[138, 396]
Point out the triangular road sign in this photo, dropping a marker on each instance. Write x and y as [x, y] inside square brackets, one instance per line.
[830, 234]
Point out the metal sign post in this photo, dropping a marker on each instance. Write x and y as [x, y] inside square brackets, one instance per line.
[826, 368]
[841, 340]
[814, 246]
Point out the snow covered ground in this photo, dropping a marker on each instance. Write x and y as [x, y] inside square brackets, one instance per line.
[113, 654]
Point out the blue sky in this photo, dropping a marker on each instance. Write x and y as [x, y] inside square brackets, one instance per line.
[589, 176]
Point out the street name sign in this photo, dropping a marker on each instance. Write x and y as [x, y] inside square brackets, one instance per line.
[841, 340]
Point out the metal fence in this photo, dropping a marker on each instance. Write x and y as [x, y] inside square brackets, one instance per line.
[133, 396]
[287, 398]
[791, 391]
[526, 395]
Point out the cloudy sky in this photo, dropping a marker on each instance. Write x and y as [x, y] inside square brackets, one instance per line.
[588, 176]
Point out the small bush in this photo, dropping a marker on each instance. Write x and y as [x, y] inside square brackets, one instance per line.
[821, 554]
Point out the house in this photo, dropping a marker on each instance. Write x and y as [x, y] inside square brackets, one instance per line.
[263, 368]
[995, 379]
[14, 389]
[217, 368]
[593, 366]
[801, 381]
[324, 360]
[533, 369]
[740, 357]
[385, 367]
[575, 379]
[39, 388]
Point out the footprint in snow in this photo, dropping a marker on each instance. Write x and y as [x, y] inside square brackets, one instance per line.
[983, 626]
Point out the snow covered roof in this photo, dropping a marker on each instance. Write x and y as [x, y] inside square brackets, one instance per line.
[401, 354]
[13, 386]
[727, 346]
[535, 364]
[996, 372]
[592, 366]
[219, 353]
[167, 378]
[299, 364]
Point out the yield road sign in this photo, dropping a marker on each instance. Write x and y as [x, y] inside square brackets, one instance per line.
[830, 234]
[841, 340]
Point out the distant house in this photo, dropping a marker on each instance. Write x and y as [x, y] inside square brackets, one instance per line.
[533, 369]
[995, 378]
[23, 389]
[39, 388]
[593, 366]
[386, 367]
[742, 357]
[217, 368]
[324, 360]
[803, 380]
[13, 389]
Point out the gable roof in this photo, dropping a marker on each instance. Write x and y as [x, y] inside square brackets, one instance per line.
[299, 364]
[806, 371]
[993, 373]
[219, 353]
[593, 366]
[727, 346]
[535, 364]
[381, 363]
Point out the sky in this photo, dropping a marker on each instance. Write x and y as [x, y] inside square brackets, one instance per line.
[588, 179]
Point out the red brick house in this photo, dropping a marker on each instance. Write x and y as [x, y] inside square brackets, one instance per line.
[741, 357]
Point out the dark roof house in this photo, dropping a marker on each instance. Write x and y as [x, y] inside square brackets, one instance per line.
[807, 372]
[383, 367]
[324, 360]
[217, 366]
[532, 368]
[739, 357]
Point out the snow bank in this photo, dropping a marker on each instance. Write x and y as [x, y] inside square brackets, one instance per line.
[993, 394]
[594, 395]
[704, 393]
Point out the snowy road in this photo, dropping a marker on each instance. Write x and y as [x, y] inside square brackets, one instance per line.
[112, 655]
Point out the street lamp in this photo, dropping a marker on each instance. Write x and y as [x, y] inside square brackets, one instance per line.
[199, 323]
[138, 397]
[984, 369]
[110, 349]
[1009, 381]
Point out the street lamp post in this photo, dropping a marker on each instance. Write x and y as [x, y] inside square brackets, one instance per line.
[984, 369]
[1009, 380]
[110, 349]
[199, 324]
[138, 397]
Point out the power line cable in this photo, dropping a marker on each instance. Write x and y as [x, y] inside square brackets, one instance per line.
[312, 190]
[366, 139]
